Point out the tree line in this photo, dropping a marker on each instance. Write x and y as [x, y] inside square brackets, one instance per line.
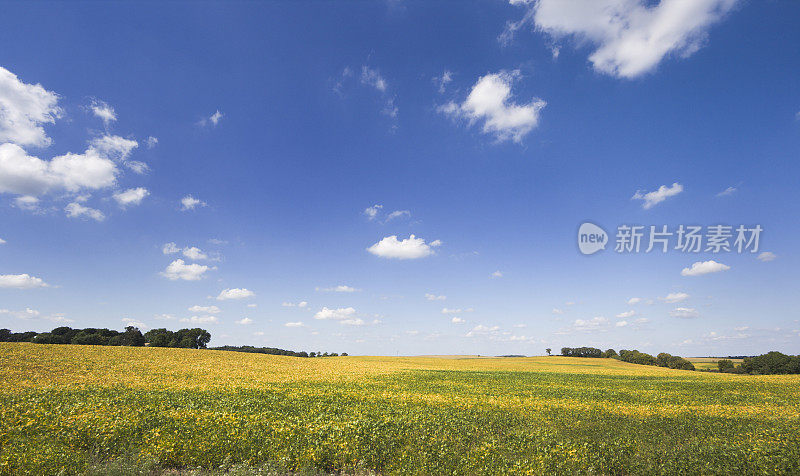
[274, 351]
[771, 363]
[196, 338]
[632, 356]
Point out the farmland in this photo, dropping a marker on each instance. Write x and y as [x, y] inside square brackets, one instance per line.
[69, 408]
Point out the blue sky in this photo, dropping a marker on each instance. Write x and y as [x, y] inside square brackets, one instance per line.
[219, 164]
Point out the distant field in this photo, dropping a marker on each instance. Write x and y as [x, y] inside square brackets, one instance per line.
[69, 408]
[709, 362]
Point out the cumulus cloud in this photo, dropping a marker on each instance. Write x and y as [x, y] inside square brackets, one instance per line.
[480, 329]
[23, 174]
[170, 248]
[336, 314]
[353, 322]
[630, 37]
[178, 269]
[76, 210]
[244, 321]
[446, 311]
[190, 203]
[301, 304]
[490, 102]
[766, 256]
[410, 248]
[205, 309]
[235, 293]
[24, 108]
[151, 142]
[194, 253]
[21, 281]
[634, 300]
[655, 197]
[557, 311]
[496, 274]
[372, 212]
[434, 297]
[131, 196]
[457, 320]
[342, 288]
[201, 319]
[621, 323]
[684, 312]
[102, 110]
[704, 267]
[675, 297]
[213, 119]
[294, 324]
[626, 314]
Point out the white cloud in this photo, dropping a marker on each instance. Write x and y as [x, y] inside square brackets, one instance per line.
[2, 241]
[76, 210]
[113, 147]
[21, 281]
[480, 329]
[24, 108]
[151, 142]
[626, 314]
[204, 309]
[446, 311]
[631, 36]
[622, 323]
[727, 191]
[342, 288]
[102, 110]
[591, 324]
[133, 322]
[189, 203]
[178, 269]
[201, 319]
[443, 80]
[704, 267]
[634, 300]
[194, 253]
[684, 312]
[372, 212]
[294, 324]
[675, 297]
[23, 174]
[235, 293]
[490, 101]
[244, 321]
[457, 320]
[170, 248]
[213, 119]
[410, 248]
[433, 297]
[27, 202]
[301, 304]
[766, 256]
[496, 274]
[28, 313]
[397, 214]
[353, 322]
[654, 198]
[372, 77]
[335, 314]
[557, 311]
[253, 305]
[132, 196]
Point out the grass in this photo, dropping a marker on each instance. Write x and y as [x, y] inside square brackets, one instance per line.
[114, 410]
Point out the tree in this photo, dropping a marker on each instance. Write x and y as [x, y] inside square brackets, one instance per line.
[610, 353]
[725, 365]
[548, 351]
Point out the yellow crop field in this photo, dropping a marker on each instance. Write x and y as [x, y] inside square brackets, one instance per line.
[72, 409]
